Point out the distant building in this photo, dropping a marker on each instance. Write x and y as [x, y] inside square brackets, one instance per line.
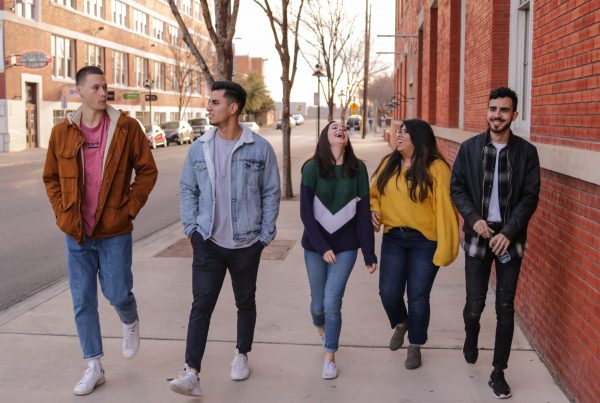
[44, 43]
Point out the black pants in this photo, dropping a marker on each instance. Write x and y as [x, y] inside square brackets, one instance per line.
[209, 266]
[477, 272]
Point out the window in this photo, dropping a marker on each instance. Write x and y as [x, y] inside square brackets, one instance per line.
[58, 115]
[160, 117]
[94, 7]
[174, 116]
[140, 71]
[521, 21]
[66, 3]
[173, 78]
[119, 67]
[186, 7]
[159, 30]
[119, 13]
[62, 54]
[197, 10]
[94, 56]
[159, 75]
[173, 35]
[141, 21]
[25, 8]
[198, 86]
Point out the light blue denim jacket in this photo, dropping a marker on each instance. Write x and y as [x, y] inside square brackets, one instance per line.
[255, 190]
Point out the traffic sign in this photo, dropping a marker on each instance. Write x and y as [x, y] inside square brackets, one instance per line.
[131, 95]
[151, 97]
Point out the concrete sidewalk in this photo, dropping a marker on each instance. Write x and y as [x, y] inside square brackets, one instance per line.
[41, 359]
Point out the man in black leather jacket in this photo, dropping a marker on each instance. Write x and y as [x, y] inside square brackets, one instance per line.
[495, 186]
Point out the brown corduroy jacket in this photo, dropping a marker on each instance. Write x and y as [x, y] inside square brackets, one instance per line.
[120, 199]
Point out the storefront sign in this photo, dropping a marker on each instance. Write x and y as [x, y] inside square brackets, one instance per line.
[34, 60]
[131, 95]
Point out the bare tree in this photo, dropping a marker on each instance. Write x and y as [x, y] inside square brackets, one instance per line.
[329, 33]
[183, 74]
[289, 60]
[381, 91]
[221, 35]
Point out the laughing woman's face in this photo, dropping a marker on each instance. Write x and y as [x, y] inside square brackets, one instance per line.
[337, 134]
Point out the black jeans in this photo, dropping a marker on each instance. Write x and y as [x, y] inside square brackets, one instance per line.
[477, 273]
[209, 266]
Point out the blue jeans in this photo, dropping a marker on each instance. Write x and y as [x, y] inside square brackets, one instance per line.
[327, 286]
[407, 264]
[108, 259]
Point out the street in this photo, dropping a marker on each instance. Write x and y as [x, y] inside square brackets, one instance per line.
[32, 251]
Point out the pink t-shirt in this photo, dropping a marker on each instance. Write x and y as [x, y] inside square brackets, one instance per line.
[94, 143]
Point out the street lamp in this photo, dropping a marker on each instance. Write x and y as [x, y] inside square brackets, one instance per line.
[318, 73]
[148, 84]
[342, 97]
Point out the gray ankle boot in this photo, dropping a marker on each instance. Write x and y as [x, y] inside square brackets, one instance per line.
[413, 357]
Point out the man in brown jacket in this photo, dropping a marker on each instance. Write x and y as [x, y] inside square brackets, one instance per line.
[90, 161]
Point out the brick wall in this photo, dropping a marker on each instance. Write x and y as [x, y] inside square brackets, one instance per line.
[557, 300]
[448, 63]
[486, 56]
[566, 70]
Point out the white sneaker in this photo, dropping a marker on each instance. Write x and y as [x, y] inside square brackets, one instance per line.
[92, 377]
[187, 383]
[329, 370]
[239, 367]
[131, 339]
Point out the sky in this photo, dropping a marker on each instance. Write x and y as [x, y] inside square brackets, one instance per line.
[256, 39]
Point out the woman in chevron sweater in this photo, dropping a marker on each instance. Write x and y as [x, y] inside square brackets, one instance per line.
[410, 196]
[334, 207]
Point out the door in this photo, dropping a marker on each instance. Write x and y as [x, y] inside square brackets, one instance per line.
[31, 115]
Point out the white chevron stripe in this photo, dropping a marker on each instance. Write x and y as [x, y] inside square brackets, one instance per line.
[333, 222]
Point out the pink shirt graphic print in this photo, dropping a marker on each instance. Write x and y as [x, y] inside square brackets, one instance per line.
[94, 143]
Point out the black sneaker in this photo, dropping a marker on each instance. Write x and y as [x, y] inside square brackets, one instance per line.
[499, 385]
[470, 350]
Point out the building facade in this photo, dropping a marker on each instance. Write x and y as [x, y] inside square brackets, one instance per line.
[137, 43]
[449, 55]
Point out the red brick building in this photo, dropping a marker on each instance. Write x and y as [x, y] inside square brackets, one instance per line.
[135, 42]
[449, 55]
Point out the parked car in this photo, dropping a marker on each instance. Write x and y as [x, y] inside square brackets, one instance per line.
[299, 119]
[252, 126]
[354, 122]
[179, 132]
[156, 136]
[280, 120]
[199, 126]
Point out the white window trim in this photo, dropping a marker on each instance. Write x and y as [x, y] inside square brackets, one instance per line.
[521, 126]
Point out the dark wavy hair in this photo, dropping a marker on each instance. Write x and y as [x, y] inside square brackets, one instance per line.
[234, 92]
[504, 92]
[326, 161]
[419, 182]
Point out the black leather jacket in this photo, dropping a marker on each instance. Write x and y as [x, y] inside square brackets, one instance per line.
[467, 182]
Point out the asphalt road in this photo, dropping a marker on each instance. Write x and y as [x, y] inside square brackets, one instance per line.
[32, 253]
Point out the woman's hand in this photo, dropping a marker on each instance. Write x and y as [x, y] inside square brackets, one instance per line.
[372, 267]
[376, 220]
[329, 257]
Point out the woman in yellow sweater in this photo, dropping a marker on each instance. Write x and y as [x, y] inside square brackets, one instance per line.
[410, 196]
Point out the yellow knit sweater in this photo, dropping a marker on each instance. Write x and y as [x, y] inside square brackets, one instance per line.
[435, 217]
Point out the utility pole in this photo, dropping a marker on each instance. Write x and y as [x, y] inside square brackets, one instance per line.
[366, 67]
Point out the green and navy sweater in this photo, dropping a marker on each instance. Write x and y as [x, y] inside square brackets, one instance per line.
[336, 212]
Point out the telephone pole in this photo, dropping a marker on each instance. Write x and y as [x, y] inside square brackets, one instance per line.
[366, 66]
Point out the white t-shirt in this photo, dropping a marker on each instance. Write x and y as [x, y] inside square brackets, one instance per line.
[494, 209]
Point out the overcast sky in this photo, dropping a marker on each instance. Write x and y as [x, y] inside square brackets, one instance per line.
[256, 39]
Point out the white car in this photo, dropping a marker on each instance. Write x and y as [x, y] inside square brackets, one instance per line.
[156, 136]
[252, 126]
[298, 119]
[179, 132]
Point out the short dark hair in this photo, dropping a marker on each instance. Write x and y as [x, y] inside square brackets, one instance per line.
[86, 71]
[504, 92]
[233, 92]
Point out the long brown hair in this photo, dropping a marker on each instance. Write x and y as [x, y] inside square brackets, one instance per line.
[418, 179]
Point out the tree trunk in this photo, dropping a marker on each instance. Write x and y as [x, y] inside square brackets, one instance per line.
[286, 131]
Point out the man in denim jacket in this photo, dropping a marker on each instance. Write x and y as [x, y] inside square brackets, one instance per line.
[229, 205]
